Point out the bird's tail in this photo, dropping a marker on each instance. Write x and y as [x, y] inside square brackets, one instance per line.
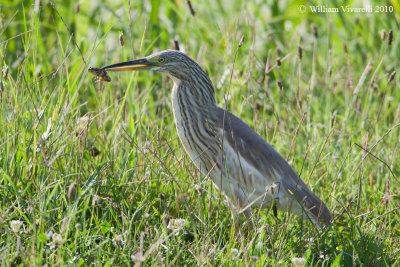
[307, 201]
[319, 212]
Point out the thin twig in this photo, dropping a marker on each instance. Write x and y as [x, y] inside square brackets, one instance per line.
[73, 39]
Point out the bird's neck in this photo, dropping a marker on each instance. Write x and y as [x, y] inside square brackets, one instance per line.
[198, 93]
[193, 122]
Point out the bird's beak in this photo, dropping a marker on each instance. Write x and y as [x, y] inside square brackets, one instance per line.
[138, 64]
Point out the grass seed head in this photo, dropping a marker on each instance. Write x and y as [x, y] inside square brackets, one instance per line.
[121, 39]
[390, 37]
[392, 76]
[279, 83]
[176, 43]
[76, 7]
[383, 34]
[190, 7]
[314, 30]
[165, 218]
[72, 192]
[300, 51]
[5, 71]
[278, 52]
[278, 61]
[241, 41]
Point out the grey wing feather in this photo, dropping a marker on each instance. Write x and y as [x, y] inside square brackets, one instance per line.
[267, 160]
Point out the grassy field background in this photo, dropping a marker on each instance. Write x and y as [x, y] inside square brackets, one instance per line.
[93, 172]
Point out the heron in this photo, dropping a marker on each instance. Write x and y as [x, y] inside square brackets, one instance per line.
[248, 170]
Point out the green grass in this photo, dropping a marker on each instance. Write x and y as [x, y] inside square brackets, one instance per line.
[119, 207]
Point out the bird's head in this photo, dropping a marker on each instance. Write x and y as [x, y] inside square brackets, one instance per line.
[181, 68]
[176, 64]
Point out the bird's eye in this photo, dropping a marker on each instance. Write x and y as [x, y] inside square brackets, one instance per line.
[161, 60]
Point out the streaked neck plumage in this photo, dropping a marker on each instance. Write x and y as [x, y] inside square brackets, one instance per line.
[193, 101]
[193, 83]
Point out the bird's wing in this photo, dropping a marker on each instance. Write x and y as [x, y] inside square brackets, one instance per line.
[273, 167]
